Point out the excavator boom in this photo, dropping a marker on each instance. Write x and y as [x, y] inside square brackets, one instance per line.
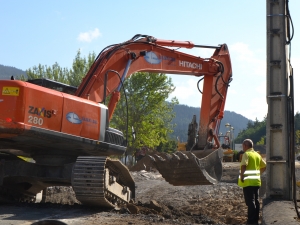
[119, 61]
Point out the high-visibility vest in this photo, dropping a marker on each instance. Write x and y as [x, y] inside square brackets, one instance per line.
[252, 173]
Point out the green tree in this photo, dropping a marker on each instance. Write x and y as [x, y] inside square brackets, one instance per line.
[148, 111]
[297, 138]
[73, 77]
[54, 72]
[169, 147]
[262, 141]
[80, 68]
[255, 131]
[297, 121]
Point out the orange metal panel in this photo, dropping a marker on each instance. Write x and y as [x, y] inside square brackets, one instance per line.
[11, 107]
[81, 117]
[43, 107]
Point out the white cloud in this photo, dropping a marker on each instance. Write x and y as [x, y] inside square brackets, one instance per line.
[247, 92]
[242, 50]
[261, 88]
[186, 90]
[257, 108]
[246, 58]
[232, 91]
[89, 36]
[205, 52]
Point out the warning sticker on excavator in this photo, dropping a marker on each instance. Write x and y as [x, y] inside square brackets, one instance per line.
[13, 91]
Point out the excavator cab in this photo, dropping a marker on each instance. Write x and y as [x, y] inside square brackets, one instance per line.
[54, 85]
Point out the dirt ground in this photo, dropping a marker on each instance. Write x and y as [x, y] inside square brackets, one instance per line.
[157, 202]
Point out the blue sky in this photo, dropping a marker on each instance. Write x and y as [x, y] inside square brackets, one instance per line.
[46, 32]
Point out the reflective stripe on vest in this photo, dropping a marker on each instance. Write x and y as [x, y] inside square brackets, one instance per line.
[251, 178]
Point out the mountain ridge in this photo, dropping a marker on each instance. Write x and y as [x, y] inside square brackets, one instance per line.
[7, 71]
[184, 115]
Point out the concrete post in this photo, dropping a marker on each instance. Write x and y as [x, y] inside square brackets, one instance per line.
[278, 163]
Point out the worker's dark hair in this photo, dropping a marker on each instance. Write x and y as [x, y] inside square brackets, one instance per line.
[248, 143]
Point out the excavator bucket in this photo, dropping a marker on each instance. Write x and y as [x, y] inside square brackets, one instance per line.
[199, 167]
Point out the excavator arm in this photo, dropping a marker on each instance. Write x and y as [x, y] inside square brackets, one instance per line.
[145, 53]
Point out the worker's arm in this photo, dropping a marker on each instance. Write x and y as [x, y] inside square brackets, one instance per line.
[263, 166]
[262, 170]
[243, 169]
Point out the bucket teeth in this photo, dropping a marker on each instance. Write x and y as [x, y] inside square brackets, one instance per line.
[159, 158]
[182, 155]
[168, 156]
[152, 158]
[175, 157]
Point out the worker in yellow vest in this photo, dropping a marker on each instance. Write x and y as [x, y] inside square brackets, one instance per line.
[252, 165]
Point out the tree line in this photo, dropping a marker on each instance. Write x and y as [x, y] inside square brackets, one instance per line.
[257, 131]
[73, 76]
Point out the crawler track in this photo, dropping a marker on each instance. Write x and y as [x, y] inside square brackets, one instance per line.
[92, 178]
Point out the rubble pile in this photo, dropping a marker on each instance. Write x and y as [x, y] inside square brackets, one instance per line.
[216, 204]
[61, 195]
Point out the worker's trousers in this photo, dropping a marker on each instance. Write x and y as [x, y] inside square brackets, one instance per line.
[251, 199]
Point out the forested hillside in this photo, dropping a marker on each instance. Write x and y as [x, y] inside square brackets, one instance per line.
[7, 71]
[257, 131]
[184, 115]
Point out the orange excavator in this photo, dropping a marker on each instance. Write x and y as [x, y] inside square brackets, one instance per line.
[65, 130]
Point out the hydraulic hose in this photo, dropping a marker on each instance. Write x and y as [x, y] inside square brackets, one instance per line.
[122, 84]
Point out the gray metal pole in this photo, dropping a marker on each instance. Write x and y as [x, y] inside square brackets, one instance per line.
[278, 163]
